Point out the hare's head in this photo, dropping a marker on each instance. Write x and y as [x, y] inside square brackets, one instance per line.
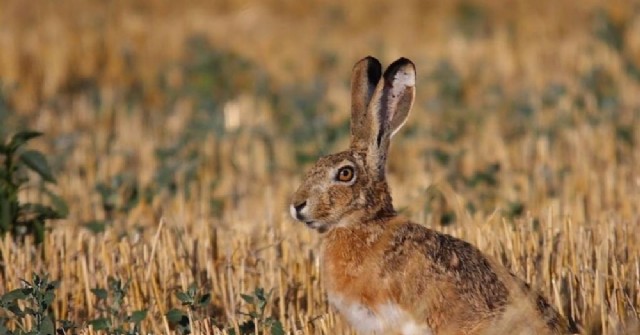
[350, 186]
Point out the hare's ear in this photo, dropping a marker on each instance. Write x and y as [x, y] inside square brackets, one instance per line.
[365, 78]
[388, 111]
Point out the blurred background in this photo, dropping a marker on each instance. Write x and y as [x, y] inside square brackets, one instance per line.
[208, 112]
[262, 87]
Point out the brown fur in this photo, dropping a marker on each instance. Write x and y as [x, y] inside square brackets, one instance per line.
[371, 256]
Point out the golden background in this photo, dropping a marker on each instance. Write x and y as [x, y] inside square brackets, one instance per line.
[182, 127]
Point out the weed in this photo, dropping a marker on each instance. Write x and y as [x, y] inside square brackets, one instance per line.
[195, 300]
[119, 194]
[258, 321]
[603, 87]
[450, 84]
[113, 316]
[471, 19]
[608, 30]
[547, 91]
[24, 218]
[38, 295]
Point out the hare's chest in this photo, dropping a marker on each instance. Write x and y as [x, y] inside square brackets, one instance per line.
[387, 318]
[351, 264]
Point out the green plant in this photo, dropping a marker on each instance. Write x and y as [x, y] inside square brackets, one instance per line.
[194, 300]
[258, 300]
[38, 295]
[450, 84]
[119, 194]
[471, 19]
[24, 218]
[609, 30]
[114, 319]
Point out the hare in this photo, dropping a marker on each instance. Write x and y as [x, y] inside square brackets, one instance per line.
[383, 273]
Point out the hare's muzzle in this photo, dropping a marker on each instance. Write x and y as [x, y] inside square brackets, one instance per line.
[297, 210]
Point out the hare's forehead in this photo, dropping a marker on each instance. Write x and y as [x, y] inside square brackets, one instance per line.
[338, 160]
[331, 163]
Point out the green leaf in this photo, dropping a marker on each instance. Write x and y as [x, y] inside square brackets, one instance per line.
[22, 137]
[259, 293]
[36, 161]
[96, 226]
[100, 324]
[184, 297]
[47, 300]
[100, 293]
[247, 298]
[191, 291]
[177, 316]
[38, 230]
[5, 214]
[276, 328]
[138, 316]
[58, 203]
[28, 290]
[53, 285]
[261, 305]
[47, 328]
[15, 309]
[11, 296]
[204, 299]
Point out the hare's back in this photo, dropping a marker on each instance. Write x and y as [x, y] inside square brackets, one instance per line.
[446, 266]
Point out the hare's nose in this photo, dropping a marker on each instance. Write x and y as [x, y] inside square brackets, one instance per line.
[300, 206]
[296, 210]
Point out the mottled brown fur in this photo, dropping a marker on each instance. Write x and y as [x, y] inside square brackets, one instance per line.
[372, 257]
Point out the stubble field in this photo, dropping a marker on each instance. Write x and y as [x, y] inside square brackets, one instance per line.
[177, 132]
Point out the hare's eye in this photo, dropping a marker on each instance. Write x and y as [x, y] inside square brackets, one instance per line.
[345, 174]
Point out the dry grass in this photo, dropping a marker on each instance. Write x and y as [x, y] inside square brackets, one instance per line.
[106, 83]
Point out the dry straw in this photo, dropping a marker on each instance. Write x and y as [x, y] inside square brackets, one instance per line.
[572, 166]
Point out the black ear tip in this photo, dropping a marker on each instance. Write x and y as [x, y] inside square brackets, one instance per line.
[401, 62]
[374, 69]
[372, 59]
[397, 65]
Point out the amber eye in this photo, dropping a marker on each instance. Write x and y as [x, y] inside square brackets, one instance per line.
[345, 174]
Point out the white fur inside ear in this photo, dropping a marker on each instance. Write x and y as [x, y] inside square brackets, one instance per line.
[405, 77]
